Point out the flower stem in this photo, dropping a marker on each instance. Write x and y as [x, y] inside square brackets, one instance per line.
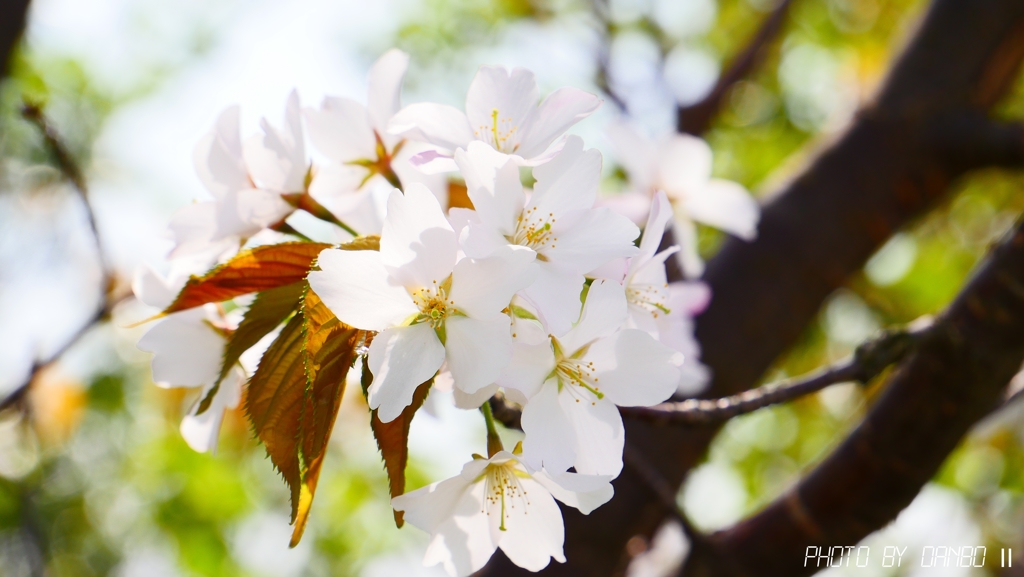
[305, 201]
[493, 440]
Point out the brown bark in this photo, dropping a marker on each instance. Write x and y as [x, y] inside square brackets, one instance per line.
[957, 376]
[12, 24]
[886, 170]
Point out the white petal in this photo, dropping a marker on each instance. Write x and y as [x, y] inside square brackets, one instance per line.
[341, 130]
[384, 98]
[408, 174]
[726, 205]
[418, 245]
[556, 295]
[661, 214]
[401, 359]
[598, 433]
[560, 111]
[482, 288]
[247, 211]
[467, 401]
[193, 227]
[437, 124]
[688, 257]
[479, 240]
[684, 165]
[432, 505]
[634, 369]
[337, 187]
[434, 162]
[463, 543]
[277, 160]
[636, 152]
[603, 313]
[550, 441]
[201, 431]
[584, 492]
[590, 239]
[218, 156]
[492, 181]
[354, 285]
[689, 298]
[477, 351]
[153, 289]
[529, 368]
[568, 182]
[694, 377]
[534, 530]
[513, 96]
[636, 206]
[186, 350]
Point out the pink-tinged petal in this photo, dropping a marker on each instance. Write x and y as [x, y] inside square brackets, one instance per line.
[604, 313]
[482, 288]
[534, 533]
[401, 359]
[589, 239]
[634, 369]
[434, 162]
[341, 130]
[568, 182]
[201, 431]
[637, 154]
[384, 97]
[492, 182]
[193, 227]
[530, 366]
[511, 96]
[355, 286]
[688, 257]
[218, 156]
[583, 492]
[689, 298]
[612, 270]
[246, 212]
[153, 289]
[726, 205]
[661, 214]
[636, 206]
[477, 351]
[186, 350]
[418, 245]
[408, 174]
[559, 112]
[598, 433]
[551, 440]
[443, 126]
[277, 159]
[556, 295]
[684, 165]
[694, 377]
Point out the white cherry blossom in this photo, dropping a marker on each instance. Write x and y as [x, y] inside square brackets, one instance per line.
[499, 502]
[575, 381]
[428, 308]
[366, 161]
[188, 347]
[663, 310]
[502, 111]
[558, 223]
[680, 165]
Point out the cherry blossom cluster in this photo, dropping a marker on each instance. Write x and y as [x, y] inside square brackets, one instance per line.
[549, 293]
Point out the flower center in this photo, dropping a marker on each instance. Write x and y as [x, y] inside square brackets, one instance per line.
[576, 376]
[649, 297]
[502, 487]
[434, 305]
[501, 134]
[534, 230]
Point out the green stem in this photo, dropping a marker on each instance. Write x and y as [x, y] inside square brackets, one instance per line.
[493, 440]
[304, 201]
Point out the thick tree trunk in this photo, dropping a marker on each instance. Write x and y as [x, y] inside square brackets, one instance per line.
[890, 167]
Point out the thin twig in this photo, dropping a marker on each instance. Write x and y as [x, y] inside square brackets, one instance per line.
[600, 10]
[71, 171]
[867, 362]
[870, 359]
[696, 118]
[632, 458]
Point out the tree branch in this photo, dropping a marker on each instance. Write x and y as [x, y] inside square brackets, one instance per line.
[814, 233]
[696, 118]
[957, 375]
[12, 23]
[71, 171]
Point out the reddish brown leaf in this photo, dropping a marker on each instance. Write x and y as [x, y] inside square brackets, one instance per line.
[393, 439]
[330, 349]
[258, 269]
